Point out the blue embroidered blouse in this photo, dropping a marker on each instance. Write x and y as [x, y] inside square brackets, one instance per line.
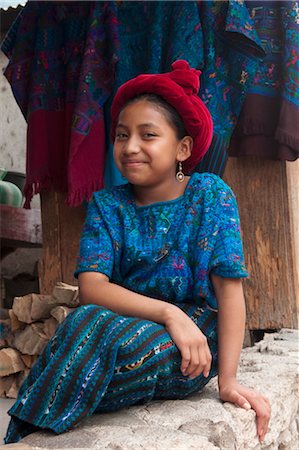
[165, 250]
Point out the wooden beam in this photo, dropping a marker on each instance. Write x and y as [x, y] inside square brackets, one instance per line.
[49, 269]
[20, 227]
[71, 223]
[262, 191]
[62, 227]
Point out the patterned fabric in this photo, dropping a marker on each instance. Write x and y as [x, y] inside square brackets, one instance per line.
[268, 125]
[61, 70]
[217, 37]
[232, 53]
[165, 250]
[98, 362]
[152, 35]
[66, 60]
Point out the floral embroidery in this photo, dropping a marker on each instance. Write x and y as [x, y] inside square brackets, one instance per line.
[165, 250]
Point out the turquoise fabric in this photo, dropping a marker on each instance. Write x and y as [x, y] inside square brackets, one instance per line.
[217, 37]
[165, 250]
[99, 361]
[151, 36]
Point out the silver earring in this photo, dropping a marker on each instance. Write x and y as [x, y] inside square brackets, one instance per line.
[179, 175]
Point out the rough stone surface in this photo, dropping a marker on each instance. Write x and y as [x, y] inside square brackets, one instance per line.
[202, 421]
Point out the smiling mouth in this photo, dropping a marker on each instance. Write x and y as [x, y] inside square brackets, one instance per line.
[133, 163]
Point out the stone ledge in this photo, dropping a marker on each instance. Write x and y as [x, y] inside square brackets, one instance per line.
[201, 422]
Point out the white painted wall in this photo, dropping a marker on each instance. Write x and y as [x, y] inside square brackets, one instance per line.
[13, 127]
[12, 130]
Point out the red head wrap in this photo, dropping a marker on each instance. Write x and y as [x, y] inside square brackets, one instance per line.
[179, 88]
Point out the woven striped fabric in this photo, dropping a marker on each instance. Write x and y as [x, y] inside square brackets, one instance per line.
[99, 361]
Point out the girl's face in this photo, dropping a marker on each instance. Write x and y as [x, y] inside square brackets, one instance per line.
[146, 148]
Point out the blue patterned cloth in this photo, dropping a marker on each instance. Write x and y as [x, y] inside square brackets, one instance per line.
[99, 361]
[151, 35]
[268, 124]
[67, 59]
[232, 53]
[217, 37]
[165, 250]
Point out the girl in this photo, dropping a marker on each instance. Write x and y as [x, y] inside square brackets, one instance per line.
[159, 271]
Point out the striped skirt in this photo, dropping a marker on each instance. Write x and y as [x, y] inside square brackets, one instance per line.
[99, 361]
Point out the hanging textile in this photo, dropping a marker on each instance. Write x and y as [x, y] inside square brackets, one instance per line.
[61, 69]
[217, 37]
[151, 36]
[66, 60]
[268, 124]
[232, 53]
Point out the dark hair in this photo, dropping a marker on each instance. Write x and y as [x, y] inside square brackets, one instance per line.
[172, 116]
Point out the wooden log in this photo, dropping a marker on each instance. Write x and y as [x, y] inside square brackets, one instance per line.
[13, 390]
[46, 329]
[35, 307]
[60, 313]
[31, 340]
[16, 324]
[10, 361]
[65, 294]
[29, 360]
[32, 307]
[40, 307]
[10, 385]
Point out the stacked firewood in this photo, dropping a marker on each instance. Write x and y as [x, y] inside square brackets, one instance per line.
[26, 330]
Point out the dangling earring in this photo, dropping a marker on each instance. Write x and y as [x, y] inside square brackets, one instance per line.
[179, 175]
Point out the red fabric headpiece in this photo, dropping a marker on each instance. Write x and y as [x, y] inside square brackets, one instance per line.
[179, 88]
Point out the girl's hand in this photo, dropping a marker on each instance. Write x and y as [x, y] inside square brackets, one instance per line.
[246, 398]
[192, 343]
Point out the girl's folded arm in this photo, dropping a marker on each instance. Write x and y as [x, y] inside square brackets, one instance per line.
[96, 288]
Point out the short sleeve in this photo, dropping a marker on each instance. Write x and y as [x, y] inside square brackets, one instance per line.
[227, 259]
[96, 248]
